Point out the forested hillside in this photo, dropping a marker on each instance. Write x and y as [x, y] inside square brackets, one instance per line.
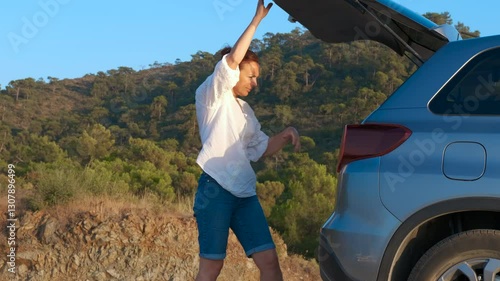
[123, 133]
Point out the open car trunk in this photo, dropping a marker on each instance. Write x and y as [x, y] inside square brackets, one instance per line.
[384, 21]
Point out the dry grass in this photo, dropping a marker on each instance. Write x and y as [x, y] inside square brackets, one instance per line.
[102, 206]
[107, 206]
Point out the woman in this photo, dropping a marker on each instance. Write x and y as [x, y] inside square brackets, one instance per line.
[231, 137]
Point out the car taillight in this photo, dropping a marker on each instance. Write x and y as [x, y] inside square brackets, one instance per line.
[370, 140]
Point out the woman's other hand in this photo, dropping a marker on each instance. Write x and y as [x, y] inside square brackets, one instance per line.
[277, 142]
[294, 137]
[262, 10]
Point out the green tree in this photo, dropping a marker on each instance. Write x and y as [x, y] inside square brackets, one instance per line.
[268, 192]
[29, 85]
[185, 184]
[188, 127]
[158, 107]
[466, 32]
[284, 114]
[41, 149]
[348, 86]
[98, 114]
[171, 88]
[381, 80]
[271, 62]
[306, 144]
[95, 143]
[147, 150]
[124, 78]
[285, 84]
[439, 18]
[145, 177]
[23, 86]
[305, 64]
[53, 81]
[307, 201]
[6, 144]
[100, 87]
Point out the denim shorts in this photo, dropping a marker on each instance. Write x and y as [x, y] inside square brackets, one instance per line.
[217, 210]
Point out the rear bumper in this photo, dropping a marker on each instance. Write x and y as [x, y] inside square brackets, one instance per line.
[330, 268]
[352, 249]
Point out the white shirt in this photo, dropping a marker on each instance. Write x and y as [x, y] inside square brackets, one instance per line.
[231, 135]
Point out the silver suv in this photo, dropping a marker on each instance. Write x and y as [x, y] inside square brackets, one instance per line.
[419, 178]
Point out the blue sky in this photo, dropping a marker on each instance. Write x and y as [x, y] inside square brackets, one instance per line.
[71, 38]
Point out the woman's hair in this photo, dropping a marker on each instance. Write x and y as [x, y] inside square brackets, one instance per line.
[249, 56]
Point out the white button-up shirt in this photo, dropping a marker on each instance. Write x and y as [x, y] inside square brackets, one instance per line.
[230, 133]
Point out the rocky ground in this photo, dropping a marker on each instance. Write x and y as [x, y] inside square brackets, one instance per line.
[99, 241]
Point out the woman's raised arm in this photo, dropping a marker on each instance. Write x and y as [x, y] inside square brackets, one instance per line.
[241, 46]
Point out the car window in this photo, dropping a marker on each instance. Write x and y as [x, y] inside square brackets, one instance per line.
[475, 90]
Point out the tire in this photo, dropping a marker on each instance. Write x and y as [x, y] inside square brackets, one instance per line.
[461, 257]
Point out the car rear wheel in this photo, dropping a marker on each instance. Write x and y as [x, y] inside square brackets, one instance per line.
[472, 255]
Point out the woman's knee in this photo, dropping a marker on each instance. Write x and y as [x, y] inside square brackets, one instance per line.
[266, 260]
[209, 269]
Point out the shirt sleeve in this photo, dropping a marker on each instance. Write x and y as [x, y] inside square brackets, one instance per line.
[221, 82]
[257, 145]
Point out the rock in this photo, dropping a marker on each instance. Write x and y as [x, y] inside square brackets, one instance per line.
[22, 269]
[99, 276]
[113, 273]
[47, 230]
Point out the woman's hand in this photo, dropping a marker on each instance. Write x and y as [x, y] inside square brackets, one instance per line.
[277, 142]
[241, 46]
[294, 137]
[262, 11]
